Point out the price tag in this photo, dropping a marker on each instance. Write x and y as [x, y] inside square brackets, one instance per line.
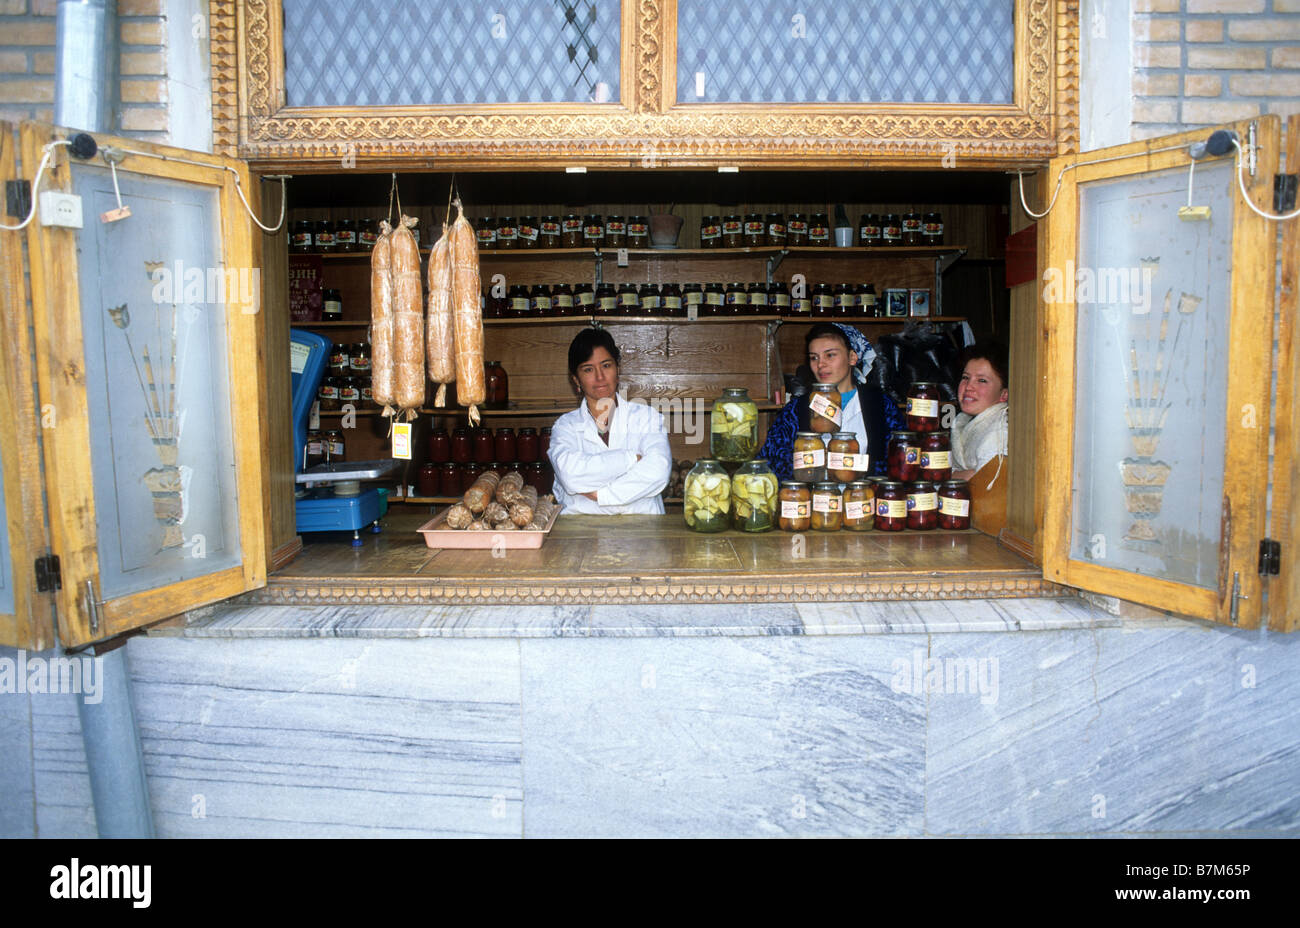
[692, 312]
[622, 257]
[402, 440]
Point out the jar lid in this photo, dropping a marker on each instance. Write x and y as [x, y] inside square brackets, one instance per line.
[903, 433]
[861, 485]
[889, 484]
[735, 391]
[844, 436]
[793, 485]
[924, 383]
[816, 435]
[824, 387]
[954, 484]
[920, 486]
[827, 485]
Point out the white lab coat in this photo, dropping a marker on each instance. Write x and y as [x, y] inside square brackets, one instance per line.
[584, 463]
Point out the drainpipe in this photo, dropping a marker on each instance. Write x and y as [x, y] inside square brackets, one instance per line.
[85, 81]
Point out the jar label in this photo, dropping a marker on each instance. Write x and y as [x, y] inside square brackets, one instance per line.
[928, 409]
[838, 460]
[485, 236]
[869, 232]
[519, 304]
[845, 300]
[754, 228]
[758, 299]
[776, 229]
[564, 300]
[806, 459]
[922, 502]
[369, 238]
[615, 228]
[541, 302]
[891, 508]
[328, 392]
[713, 298]
[360, 364]
[911, 225]
[827, 502]
[819, 233]
[507, 233]
[824, 300]
[349, 394]
[672, 302]
[954, 507]
[695, 298]
[737, 298]
[367, 393]
[593, 232]
[798, 226]
[638, 228]
[710, 232]
[314, 447]
[572, 225]
[608, 302]
[550, 228]
[781, 299]
[731, 228]
[334, 448]
[794, 509]
[868, 300]
[857, 509]
[934, 228]
[801, 305]
[528, 233]
[345, 237]
[324, 238]
[892, 233]
[649, 302]
[628, 299]
[586, 298]
[912, 454]
[824, 408]
[936, 460]
[339, 358]
[301, 239]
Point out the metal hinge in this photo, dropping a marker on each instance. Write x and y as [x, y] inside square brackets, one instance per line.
[48, 576]
[1270, 558]
[1284, 187]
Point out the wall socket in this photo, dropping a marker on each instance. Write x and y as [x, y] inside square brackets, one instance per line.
[60, 209]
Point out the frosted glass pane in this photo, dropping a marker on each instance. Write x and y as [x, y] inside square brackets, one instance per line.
[8, 456]
[1150, 417]
[154, 314]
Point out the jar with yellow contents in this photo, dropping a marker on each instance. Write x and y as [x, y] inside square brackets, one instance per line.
[753, 497]
[860, 506]
[825, 408]
[827, 507]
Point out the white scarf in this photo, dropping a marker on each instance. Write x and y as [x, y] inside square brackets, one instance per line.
[976, 439]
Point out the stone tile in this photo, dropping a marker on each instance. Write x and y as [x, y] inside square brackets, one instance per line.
[694, 620]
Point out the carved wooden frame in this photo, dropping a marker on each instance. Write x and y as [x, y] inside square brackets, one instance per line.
[646, 128]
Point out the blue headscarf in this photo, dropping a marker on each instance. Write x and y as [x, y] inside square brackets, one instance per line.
[858, 343]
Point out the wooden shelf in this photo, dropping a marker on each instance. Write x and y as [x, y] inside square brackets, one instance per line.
[664, 320]
[899, 251]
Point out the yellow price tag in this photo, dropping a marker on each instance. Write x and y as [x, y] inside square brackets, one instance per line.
[402, 440]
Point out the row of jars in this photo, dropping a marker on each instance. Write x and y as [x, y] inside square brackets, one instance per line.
[325, 447]
[756, 230]
[332, 236]
[483, 445]
[820, 301]
[450, 479]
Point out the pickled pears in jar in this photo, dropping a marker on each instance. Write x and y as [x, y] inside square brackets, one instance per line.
[825, 412]
[706, 497]
[753, 497]
[734, 422]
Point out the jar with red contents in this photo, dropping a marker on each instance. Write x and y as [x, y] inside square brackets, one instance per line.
[439, 446]
[427, 482]
[504, 441]
[904, 456]
[484, 446]
[527, 446]
[535, 476]
[923, 407]
[462, 446]
[544, 444]
[891, 506]
[936, 457]
[954, 505]
[449, 479]
[922, 506]
[468, 474]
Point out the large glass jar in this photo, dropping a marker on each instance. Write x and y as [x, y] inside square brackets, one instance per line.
[615, 232]
[843, 460]
[469, 473]
[954, 505]
[733, 231]
[923, 407]
[796, 230]
[593, 232]
[936, 457]
[345, 235]
[367, 234]
[891, 506]
[913, 231]
[543, 442]
[571, 231]
[922, 505]
[328, 394]
[485, 233]
[809, 462]
[823, 301]
[904, 456]
[734, 426]
[932, 229]
[426, 481]
[520, 301]
[827, 507]
[651, 300]
[484, 446]
[706, 497]
[869, 230]
[672, 300]
[334, 446]
[539, 301]
[324, 240]
[449, 479]
[753, 497]
[860, 506]
[439, 446]
[778, 298]
[638, 232]
[825, 412]
[527, 446]
[845, 300]
[462, 446]
[535, 476]
[300, 237]
[497, 384]
[629, 301]
[315, 448]
[584, 299]
[713, 300]
[549, 232]
[340, 360]
[606, 300]
[819, 230]
[504, 443]
[795, 512]
[529, 233]
[736, 299]
[562, 300]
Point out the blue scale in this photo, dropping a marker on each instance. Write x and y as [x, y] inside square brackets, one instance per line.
[333, 500]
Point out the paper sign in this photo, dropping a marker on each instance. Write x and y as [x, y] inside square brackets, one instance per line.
[402, 440]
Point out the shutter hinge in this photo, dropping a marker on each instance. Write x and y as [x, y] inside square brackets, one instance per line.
[48, 575]
[1284, 190]
[1270, 558]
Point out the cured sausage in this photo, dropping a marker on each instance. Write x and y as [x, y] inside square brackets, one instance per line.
[440, 327]
[521, 512]
[510, 488]
[479, 495]
[471, 382]
[381, 318]
[458, 516]
[408, 321]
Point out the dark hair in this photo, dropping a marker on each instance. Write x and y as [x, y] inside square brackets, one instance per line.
[826, 330]
[584, 345]
[993, 352]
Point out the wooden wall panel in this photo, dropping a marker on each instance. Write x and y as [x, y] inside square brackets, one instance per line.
[1024, 509]
[282, 541]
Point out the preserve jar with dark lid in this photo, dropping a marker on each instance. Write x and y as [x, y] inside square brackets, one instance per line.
[825, 410]
[339, 360]
[324, 236]
[891, 230]
[367, 391]
[671, 296]
[359, 359]
[755, 233]
[827, 507]
[367, 234]
[954, 505]
[819, 230]
[808, 458]
[527, 447]
[300, 236]
[606, 300]
[869, 230]
[860, 506]
[496, 386]
[345, 235]
[462, 446]
[867, 302]
[736, 299]
[891, 506]
[650, 300]
[845, 300]
[335, 447]
[823, 301]
[332, 307]
[912, 229]
[922, 506]
[485, 233]
[733, 231]
[439, 446]
[584, 299]
[775, 230]
[629, 301]
[923, 407]
[539, 301]
[593, 231]
[692, 296]
[904, 455]
[469, 473]
[778, 298]
[426, 481]
[932, 229]
[615, 232]
[520, 301]
[794, 512]
[507, 233]
[796, 229]
[801, 306]
[548, 232]
[758, 299]
[449, 479]
[496, 305]
[638, 232]
[571, 231]
[315, 448]
[504, 442]
[936, 457]
[327, 394]
[529, 233]
[562, 300]
[711, 232]
[714, 300]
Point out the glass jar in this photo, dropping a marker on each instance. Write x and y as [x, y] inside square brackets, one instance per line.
[692, 296]
[904, 456]
[733, 231]
[706, 497]
[504, 443]
[825, 409]
[753, 497]
[891, 506]
[936, 457]
[359, 359]
[615, 232]
[571, 231]
[868, 305]
[367, 234]
[845, 300]
[462, 446]
[335, 448]
[912, 229]
[923, 407]
[562, 300]
[328, 394]
[323, 236]
[775, 230]
[734, 426]
[315, 448]
[795, 513]
[345, 235]
[650, 300]
[808, 463]
[869, 230]
[300, 237]
[843, 460]
[827, 507]
[449, 479]
[736, 299]
[439, 446]
[672, 300]
[778, 298]
[819, 230]
[367, 391]
[922, 506]
[629, 301]
[507, 234]
[801, 306]
[714, 298]
[756, 298]
[823, 301]
[496, 385]
[349, 392]
[638, 232]
[340, 363]
[796, 230]
[529, 233]
[593, 232]
[427, 482]
[534, 475]
[494, 306]
[606, 300]
[711, 232]
[755, 231]
[543, 442]
[891, 230]
[954, 505]
[584, 299]
[539, 301]
[484, 446]
[527, 448]
[932, 229]
[468, 474]
[485, 233]
[332, 306]
[860, 506]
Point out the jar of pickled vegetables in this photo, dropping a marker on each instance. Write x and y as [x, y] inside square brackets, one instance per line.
[827, 507]
[954, 505]
[753, 497]
[809, 462]
[706, 497]
[936, 457]
[922, 505]
[859, 506]
[843, 460]
[734, 426]
[795, 512]
[923, 407]
[824, 409]
[904, 456]
[891, 506]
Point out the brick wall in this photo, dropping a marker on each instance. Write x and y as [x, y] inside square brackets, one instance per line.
[1203, 62]
[27, 65]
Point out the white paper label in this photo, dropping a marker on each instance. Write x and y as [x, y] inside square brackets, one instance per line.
[857, 510]
[839, 460]
[827, 502]
[298, 355]
[826, 409]
[402, 440]
[919, 407]
[936, 460]
[804, 459]
[923, 502]
[954, 507]
[794, 509]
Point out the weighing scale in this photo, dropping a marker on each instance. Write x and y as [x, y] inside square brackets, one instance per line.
[329, 496]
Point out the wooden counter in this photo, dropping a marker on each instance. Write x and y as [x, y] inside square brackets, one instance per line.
[654, 559]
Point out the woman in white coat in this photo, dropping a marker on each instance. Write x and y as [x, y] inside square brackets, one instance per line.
[980, 432]
[610, 455]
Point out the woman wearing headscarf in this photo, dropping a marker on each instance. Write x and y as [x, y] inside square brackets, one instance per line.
[841, 355]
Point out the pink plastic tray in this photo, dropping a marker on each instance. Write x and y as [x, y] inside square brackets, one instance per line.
[436, 537]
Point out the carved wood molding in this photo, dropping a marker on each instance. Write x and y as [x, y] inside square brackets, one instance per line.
[1067, 75]
[223, 41]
